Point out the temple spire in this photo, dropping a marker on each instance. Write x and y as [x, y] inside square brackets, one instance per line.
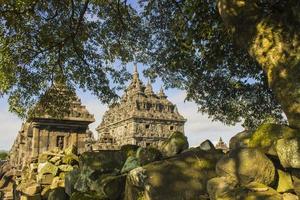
[161, 93]
[149, 89]
[135, 73]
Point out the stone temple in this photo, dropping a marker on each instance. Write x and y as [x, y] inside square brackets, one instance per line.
[141, 117]
[44, 132]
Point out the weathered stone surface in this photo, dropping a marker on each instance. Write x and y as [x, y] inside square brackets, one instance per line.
[70, 180]
[247, 165]
[129, 149]
[181, 177]
[266, 136]
[45, 179]
[40, 133]
[296, 181]
[141, 117]
[109, 187]
[148, 155]
[258, 191]
[70, 159]
[84, 196]
[288, 151]
[45, 192]
[131, 163]
[72, 149]
[35, 197]
[32, 189]
[221, 188]
[289, 196]
[240, 140]
[285, 183]
[65, 168]
[175, 144]
[58, 194]
[57, 183]
[207, 145]
[47, 168]
[103, 161]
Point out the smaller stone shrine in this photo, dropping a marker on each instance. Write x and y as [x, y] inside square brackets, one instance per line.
[222, 145]
[44, 132]
[142, 118]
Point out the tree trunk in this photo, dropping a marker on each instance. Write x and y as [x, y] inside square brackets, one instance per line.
[272, 37]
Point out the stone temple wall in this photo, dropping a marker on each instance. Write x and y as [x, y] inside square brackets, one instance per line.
[44, 132]
[141, 118]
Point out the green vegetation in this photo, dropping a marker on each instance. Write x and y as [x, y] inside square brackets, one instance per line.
[267, 134]
[233, 58]
[3, 155]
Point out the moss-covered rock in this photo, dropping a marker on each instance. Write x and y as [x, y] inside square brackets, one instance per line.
[70, 180]
[47, 168]
[129, 149]
[266, 136]
[207, 145]
[240, 140]
[65, 168]
[84, 196]
[103, 161]
[58, 194]
[174, 145]
[247, 165]
[288, 151]
[181, 177]
[72, 149]
[285, 183]
[131, 163]
[148, 155]
[109, 186]
[221, 188]
[70, 159]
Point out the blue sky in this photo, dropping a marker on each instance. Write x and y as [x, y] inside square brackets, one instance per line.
[197, 128]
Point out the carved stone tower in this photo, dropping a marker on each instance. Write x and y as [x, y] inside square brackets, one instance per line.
[141, 117]
[44, 132]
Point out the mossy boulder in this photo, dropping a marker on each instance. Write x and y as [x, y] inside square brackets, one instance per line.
[221, 188]
[181, 177]
[288, 151]
[103, 161]
[131, 163]
[70, 159]
[148, 155]
[70, 180]
[65, 168]
[266, 136]
[47, 168]
[72, 149]
[285, 182]
[207, 145]
[174, 145]
[58, 194]
[109, 186]
[247, 165]
[84, 196]
[129, 149]
[240, 140]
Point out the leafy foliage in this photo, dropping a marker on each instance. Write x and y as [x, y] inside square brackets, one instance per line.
[184, 41]
[191, 49]
[3, 155]
[81, 39]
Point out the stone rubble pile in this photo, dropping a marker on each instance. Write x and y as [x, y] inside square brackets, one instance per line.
[262, 164]
[45, 179]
